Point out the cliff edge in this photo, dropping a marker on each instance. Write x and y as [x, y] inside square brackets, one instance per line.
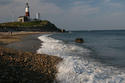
[41, 26]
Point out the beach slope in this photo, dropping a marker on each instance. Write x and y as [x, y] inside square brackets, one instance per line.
[23, 67]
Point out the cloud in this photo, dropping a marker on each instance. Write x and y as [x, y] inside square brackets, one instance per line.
[83, 10]
[69, 14]
[5, 2]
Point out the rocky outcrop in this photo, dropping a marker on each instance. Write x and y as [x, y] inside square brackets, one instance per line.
[79, 40]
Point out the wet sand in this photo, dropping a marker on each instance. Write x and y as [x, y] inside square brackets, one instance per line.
[29, 43]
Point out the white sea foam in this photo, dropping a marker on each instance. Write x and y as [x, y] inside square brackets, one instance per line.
[76, 68]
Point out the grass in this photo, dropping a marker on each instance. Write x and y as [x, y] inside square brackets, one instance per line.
[26, 24]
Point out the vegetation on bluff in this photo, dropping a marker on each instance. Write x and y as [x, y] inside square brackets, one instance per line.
[42, 25]
[26, 24]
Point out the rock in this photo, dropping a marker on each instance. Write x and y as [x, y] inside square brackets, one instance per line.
[79, 40]
[1, 53]
[25, 59]
[62, 30]
[25, 80]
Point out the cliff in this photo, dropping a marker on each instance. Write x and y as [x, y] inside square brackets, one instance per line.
[42, 26]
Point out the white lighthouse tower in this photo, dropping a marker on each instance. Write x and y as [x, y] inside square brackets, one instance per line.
[27, 12]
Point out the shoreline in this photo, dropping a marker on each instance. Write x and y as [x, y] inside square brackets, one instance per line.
[7, 37]
[18, 65]
[29, 43]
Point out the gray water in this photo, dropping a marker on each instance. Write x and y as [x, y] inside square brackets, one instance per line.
[107, 46]
[99, 60]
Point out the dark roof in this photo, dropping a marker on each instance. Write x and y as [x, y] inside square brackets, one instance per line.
[22, 16]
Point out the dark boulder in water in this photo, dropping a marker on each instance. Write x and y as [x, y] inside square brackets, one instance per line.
[79, 40]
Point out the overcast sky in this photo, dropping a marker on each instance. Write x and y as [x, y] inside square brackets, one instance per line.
[70, 14]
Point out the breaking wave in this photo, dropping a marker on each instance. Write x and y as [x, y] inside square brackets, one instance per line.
[76, 67]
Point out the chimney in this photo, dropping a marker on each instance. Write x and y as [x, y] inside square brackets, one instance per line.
[38, 16]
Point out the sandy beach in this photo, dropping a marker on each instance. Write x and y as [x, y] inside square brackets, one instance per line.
[19, 61]
[7, 37]
[28, 43]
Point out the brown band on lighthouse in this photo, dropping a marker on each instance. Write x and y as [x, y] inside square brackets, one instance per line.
[27, 14]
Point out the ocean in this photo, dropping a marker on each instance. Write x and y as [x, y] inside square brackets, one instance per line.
[101, 59]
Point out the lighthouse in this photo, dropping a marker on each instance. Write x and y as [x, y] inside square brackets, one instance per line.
[26, 17]
[27, 12]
